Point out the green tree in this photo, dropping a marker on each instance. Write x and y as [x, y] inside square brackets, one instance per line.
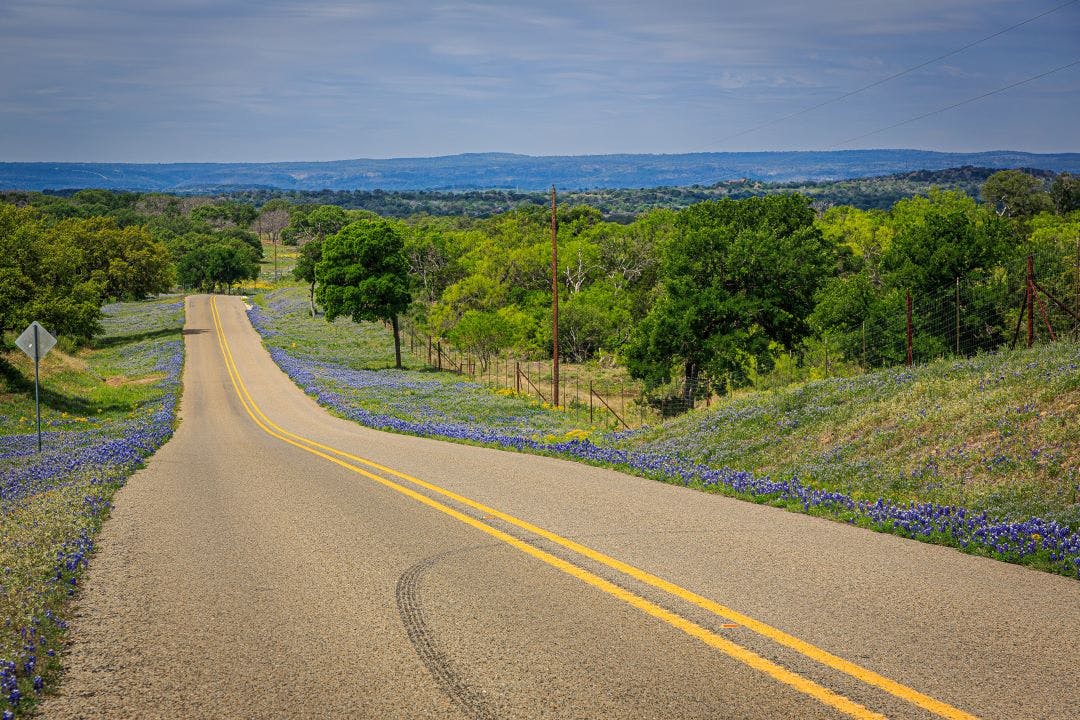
[1065, 193]
[225, 214]
[363, 274]
[192, 268]
[127, 261]
[19, 231]
[240, 238]
[932, 247]
[940, 238]
[484, 334]
[432, 256]
[309, 257]
[326, 220]
[1015, 194]
[229, 264]
[738, 277]
[475, 292]
[67, 298]
[596, 318]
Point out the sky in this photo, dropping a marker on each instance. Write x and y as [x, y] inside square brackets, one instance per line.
[276, 80]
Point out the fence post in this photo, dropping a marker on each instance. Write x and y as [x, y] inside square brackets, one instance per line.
[957, 315]
[590, 402]
[864, 343]
[1076, 282]
[517, 376]
[910, 333]
[1031, 301]
[826, 355]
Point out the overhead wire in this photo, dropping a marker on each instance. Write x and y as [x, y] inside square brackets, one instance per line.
[896, 75]
[956, 105]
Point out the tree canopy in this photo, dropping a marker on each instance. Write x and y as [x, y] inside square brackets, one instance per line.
[363, 274]
[735, 278]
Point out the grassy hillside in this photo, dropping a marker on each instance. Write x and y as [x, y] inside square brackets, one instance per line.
[999, 432]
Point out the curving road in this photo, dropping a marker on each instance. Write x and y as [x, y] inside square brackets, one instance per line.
[273, 561]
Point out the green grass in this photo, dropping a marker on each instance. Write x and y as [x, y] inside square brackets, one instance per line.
[102, 407]
[417, 393]
[360, 346]
[999, 432]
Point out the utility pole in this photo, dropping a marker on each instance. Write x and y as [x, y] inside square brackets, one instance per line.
[554, 304]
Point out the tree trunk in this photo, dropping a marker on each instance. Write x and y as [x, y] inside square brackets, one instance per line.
[311, 298]
[397, 342]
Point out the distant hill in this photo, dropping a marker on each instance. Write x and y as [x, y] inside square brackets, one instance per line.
[623, 204]
[513, 172]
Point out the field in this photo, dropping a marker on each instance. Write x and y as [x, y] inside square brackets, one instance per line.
[979, 453]
[104, 410]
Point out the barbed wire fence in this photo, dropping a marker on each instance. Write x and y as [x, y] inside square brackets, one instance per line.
[1033, 299]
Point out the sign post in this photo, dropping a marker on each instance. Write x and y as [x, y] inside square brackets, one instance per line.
[36, 342]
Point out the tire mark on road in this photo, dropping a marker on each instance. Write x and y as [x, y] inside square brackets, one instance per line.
[411, 609]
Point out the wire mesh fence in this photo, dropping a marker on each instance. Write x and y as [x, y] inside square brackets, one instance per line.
[1033, 299]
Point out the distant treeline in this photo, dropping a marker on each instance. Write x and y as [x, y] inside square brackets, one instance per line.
[624, 204]
[482, 171]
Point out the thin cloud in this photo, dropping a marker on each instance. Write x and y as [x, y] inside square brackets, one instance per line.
[267, 79]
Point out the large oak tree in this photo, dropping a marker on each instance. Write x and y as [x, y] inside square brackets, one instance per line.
[363, 274]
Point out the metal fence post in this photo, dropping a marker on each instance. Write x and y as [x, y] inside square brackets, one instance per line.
[1030, 301]
[910, 331]
[590, 401]
[958, 316]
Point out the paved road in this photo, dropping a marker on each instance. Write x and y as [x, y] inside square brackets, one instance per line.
[262, 567]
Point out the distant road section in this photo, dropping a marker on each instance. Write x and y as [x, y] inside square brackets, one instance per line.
[513, 172]
[273, 561]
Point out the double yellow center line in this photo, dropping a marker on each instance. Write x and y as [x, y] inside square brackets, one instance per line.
[358, 464]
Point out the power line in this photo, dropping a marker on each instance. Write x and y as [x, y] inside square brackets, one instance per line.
[884, 80]
[956, 105]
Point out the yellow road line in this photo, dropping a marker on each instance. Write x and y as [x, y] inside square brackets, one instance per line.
[811, 651]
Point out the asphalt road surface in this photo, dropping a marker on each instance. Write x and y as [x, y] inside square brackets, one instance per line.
[273, 561]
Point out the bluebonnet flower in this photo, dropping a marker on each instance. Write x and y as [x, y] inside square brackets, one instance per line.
[84, 462]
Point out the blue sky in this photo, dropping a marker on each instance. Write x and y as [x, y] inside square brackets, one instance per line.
[268, 80]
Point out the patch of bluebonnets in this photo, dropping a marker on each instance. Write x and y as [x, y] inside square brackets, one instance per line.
[103, 454]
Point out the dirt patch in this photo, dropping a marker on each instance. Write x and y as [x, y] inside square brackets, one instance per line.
[118, 380]
[69, 361]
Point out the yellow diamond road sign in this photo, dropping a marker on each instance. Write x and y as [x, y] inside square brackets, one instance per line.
[44, 343]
